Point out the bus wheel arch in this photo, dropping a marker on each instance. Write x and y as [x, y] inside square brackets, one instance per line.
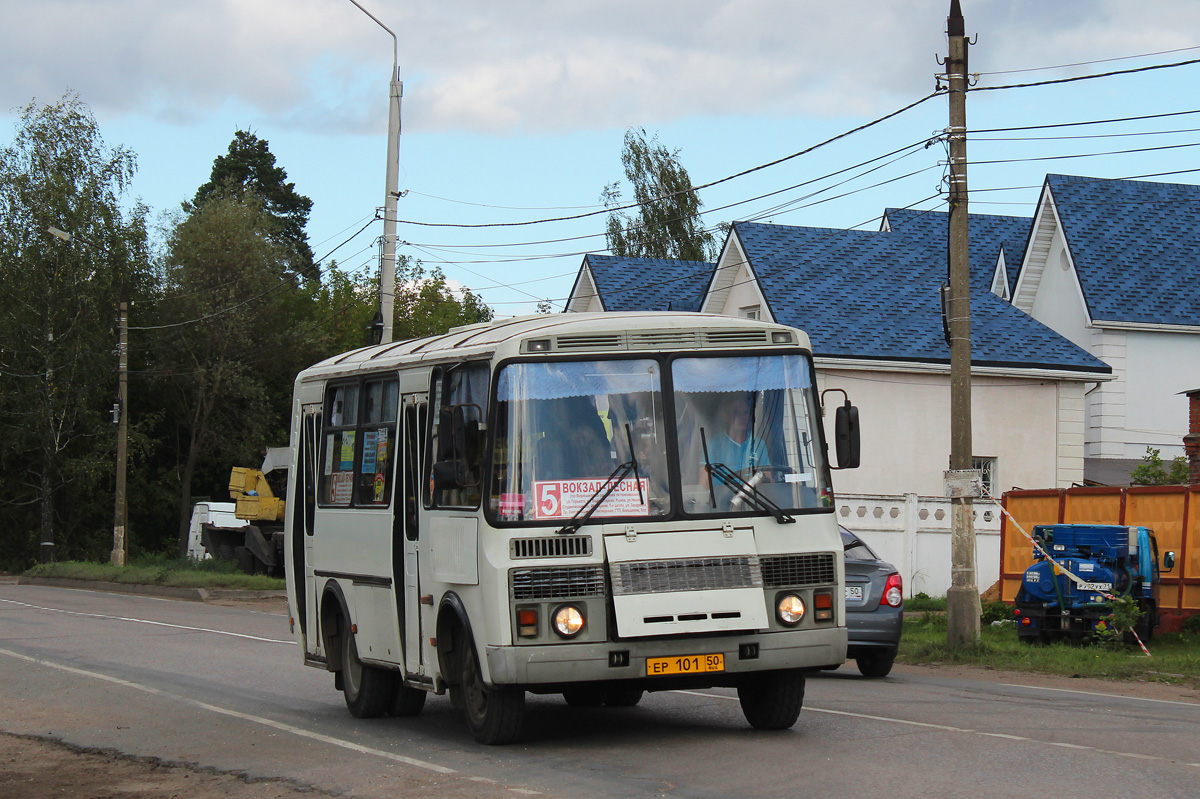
[335, 617]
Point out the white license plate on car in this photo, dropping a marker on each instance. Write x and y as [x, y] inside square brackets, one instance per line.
[854, 592]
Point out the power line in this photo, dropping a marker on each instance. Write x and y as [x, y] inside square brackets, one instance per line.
[700, 187]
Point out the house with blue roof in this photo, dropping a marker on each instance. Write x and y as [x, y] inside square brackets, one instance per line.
[609, 283]
[869, 302]
[1114, 266]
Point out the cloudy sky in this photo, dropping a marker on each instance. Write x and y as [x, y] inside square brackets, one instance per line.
[515, 112]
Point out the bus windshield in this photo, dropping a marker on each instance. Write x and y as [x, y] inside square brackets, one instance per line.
[750, 423]
[563, 428]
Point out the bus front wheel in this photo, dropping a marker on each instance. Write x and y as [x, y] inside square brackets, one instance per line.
[772, 700]
[493, 715]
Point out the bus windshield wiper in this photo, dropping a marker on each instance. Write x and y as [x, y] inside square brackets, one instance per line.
[740, 487]
[584, 514]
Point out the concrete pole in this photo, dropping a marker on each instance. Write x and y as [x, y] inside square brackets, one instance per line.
[387, 266]
[387, 259]
[120, 552]
[962, 598]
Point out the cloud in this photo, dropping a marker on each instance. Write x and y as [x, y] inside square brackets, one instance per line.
[541, 65]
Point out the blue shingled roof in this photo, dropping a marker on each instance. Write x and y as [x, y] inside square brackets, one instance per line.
[1135, 245]
[988, 235]
[874, 295]
[649, 284]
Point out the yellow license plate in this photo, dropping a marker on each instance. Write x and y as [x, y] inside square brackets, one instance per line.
[685, 664]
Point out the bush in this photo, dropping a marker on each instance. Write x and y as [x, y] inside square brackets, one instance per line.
[921, 602]
[995, 610]
[1192, 624]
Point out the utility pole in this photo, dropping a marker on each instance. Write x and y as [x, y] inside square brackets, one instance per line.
[120, 553]
[962, 598]
[120, 550]
[387, 260]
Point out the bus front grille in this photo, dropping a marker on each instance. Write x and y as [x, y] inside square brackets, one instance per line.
[780, 571]
[685, 574]
[560, 546]
[556, 582]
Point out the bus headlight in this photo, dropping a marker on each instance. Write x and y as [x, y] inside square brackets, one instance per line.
[568, 621]
[790, 609]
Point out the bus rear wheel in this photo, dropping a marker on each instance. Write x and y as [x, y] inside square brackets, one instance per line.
[772, 700]
[493, 715]
[368, 689]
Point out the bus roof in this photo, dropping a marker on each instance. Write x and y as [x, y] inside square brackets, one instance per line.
[590, 333]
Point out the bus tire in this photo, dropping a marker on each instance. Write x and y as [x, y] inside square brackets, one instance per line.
[772, 700]
[623, 697]
[367, 689]
[407, 701]
[493, 715]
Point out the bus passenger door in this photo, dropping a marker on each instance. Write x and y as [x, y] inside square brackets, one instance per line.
[306, 498]
[415, 412]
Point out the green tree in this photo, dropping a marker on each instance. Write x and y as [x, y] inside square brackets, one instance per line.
[58, 304]
[427, 306]
[228, 323]
[249, 165]
[667, 223]
[1154, 471]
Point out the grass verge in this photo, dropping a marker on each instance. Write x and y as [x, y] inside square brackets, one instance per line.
[1176, 657]
[178, 573]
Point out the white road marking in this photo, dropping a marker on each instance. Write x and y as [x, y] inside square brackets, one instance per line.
[946, 728]
[148, 621]
[272, 723]
[1096, 693]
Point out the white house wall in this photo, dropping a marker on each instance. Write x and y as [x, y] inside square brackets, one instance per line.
[1034, 429]
[1058, 303]
[1158, 366]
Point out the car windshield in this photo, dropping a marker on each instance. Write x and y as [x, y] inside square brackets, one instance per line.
[564, 428]
[856, 549]
[750, 422]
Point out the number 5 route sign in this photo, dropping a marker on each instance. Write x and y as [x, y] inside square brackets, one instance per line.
[562, 499]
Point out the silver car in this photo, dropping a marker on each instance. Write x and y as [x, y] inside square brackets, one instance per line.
[874, 607]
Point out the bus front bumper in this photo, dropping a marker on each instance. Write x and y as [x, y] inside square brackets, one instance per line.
[532, 666]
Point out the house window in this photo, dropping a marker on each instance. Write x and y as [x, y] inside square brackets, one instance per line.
[750, 312]
[987, 468]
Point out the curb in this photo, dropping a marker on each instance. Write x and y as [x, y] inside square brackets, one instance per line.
[167, 591]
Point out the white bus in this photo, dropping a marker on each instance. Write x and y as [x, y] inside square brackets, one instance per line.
[592, 505]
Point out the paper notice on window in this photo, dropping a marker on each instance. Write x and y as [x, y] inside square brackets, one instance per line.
[341, 484]
[562, 499]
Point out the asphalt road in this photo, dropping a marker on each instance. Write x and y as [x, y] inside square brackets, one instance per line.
[224, 688]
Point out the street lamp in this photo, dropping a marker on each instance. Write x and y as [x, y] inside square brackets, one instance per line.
[387, 266]
[120, 549]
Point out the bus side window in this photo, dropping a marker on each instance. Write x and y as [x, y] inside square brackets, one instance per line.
[412, 468]
[463, 388]
[339, 448]
[381, 400]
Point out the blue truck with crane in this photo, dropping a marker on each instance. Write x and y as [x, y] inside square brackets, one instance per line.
[1078, 570]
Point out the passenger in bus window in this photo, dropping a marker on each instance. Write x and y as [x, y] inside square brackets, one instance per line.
[735, 442]
[577, 446]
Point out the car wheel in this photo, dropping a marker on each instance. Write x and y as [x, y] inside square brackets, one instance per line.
[584, 697]
[623, 697]
[876, 664]
[772, 700]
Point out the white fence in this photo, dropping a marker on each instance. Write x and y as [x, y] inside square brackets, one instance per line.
[913, 534]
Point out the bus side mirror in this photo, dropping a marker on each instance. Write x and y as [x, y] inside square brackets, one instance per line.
[445, 436]
[846, 436]
[1168, 561]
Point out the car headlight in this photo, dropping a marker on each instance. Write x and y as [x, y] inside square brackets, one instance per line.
[568, 621]
[790, 609]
